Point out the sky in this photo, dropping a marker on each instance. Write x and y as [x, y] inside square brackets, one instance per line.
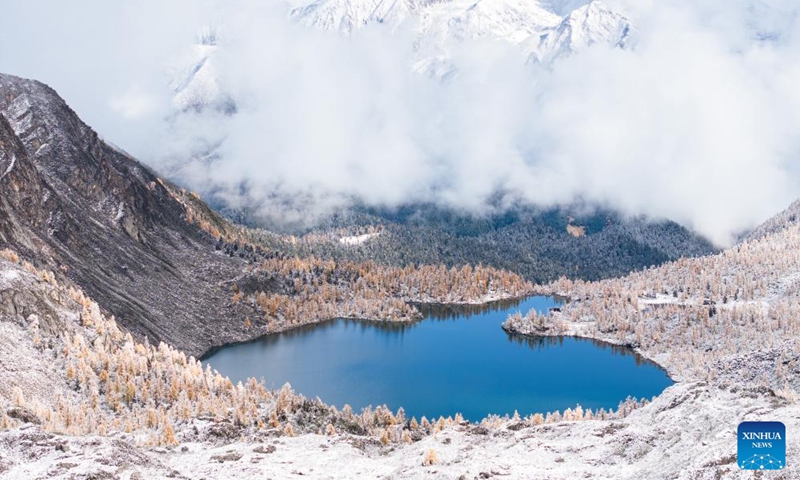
[698, 121]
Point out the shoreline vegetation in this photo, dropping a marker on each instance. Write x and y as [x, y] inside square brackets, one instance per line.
[423, 308]
[427, 310]
[294, 292]
[691, 317]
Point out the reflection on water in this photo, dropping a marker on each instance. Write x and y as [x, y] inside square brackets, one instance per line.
[542, 343]
[438, 311]
[456, 360]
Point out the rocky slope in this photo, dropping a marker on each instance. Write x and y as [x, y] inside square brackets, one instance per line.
[92, 213]
[689, 432]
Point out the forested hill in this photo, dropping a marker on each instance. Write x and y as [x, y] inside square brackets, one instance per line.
[540, 245]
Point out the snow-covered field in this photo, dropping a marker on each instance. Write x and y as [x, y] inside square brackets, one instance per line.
[689, 432]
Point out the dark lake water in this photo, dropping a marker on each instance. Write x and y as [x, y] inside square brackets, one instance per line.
[456, 360]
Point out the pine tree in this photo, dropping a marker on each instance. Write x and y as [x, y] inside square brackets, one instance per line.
[430, 458]
[330, 430]
[168, 437]
[538, 419]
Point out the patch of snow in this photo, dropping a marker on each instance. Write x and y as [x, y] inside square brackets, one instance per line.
[10, 274]
[658, 299]
[10, 166]
[342, 16]
[595, 23]
[195, 82]
[509, 20]
[357, 239]
[120, 212]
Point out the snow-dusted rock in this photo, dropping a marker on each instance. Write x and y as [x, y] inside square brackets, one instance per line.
[595, 23]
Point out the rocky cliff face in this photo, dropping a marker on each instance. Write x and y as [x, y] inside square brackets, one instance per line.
[71, 202]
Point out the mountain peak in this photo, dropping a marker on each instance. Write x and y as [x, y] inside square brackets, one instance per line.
[544, 30]
[590, 24]
[343, 16]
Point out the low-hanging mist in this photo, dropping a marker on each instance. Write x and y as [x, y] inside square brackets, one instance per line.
[697, 121]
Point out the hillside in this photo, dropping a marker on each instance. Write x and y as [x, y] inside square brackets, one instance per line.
[782, 221]
[75, 205]
[94, 403]
[539, 245]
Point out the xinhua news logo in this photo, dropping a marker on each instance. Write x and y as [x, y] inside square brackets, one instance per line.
[762, 445]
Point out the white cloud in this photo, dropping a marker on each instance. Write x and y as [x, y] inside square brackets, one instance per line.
[698, 123]
[134, 103]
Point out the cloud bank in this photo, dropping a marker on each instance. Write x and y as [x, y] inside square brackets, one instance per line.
[698, 122]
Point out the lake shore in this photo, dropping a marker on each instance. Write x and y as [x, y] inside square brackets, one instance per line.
[258, 332]
[456, 360]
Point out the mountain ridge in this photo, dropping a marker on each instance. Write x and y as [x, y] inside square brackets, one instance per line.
[79, 207]
[542, 35]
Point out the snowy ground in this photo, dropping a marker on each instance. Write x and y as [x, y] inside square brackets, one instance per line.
[689, 432]
[357, 239]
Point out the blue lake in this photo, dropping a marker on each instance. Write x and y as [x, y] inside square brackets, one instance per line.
[456, 360]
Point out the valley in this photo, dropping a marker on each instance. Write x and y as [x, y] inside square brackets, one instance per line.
[89, 377]
[399, 239]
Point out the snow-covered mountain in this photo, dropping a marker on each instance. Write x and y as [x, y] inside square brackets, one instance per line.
[544, 30]
[346, 16]
[195, 85]
[555, 26]
[590, 24]
[459, 20]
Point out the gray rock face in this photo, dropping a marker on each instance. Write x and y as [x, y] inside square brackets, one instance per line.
[77, 206]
